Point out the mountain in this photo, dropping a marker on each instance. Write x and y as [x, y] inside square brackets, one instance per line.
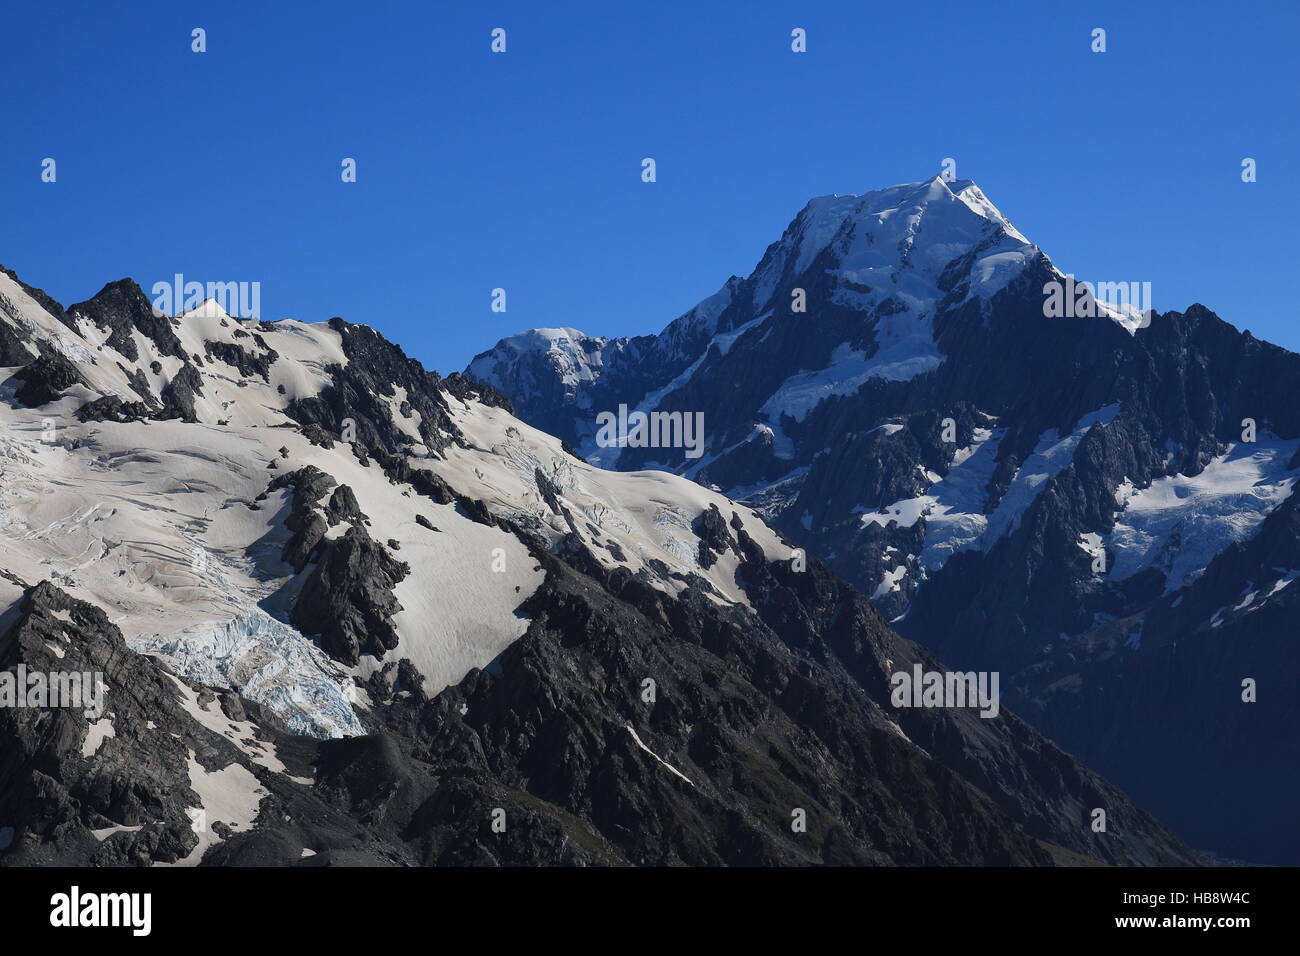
[335, 609]
[1088, 495]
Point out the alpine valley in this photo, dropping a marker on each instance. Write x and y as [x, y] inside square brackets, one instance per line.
[345, 611]
[1095, 501]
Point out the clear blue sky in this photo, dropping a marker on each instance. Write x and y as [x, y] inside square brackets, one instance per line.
[522, 170]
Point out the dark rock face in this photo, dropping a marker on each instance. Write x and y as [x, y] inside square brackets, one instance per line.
[308, 525]
[347, 597]
[122, 308]
[343, 506]
[16, 347]
[559, 756]
[550, 494]
[467, 390]
[138, 776]
[45, 379]
[135, 789]
[180, 392]
[761, 717]
[1158, 668]
[346, 593]
[376, 369]
[422, 480]
[140, 384]
[249, 363]
[1025, 775]
[110, 408]
[714, 537]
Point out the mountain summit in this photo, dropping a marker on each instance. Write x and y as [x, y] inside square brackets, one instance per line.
[874, 270]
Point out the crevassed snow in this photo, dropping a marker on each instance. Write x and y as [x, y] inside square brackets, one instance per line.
[648, 515]
[271, 664]
[159, 524]
[1179, 523]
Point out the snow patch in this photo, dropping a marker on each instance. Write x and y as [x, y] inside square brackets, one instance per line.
[1179, 523]
[667, 765]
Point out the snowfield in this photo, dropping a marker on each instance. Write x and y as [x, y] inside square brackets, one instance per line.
[159, 522]
[1179, 523]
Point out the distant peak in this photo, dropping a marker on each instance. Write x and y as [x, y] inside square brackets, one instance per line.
[208, 309]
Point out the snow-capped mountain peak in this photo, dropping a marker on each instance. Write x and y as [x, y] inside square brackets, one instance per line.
[849, 294]
[898, 241]
[207, 309]
[1009, 461]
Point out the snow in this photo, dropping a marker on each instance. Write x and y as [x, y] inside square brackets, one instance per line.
[103, 834]
[596, 455]
[891, 581]
[897, 242]
[907, 350]
[647, 514]
[953, 507]
[954, 217]
[1179, 523]
[1280, 583]
[99, 731]
[231, 796]
[119, 520]
[661, 761]
[677, 340]
[575, 356]
[158, 524]
[207, 309]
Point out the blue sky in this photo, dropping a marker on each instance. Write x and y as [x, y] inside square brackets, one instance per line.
[522, 170]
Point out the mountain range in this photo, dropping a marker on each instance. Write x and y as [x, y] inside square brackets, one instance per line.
[1023, 473]
[341, 610]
